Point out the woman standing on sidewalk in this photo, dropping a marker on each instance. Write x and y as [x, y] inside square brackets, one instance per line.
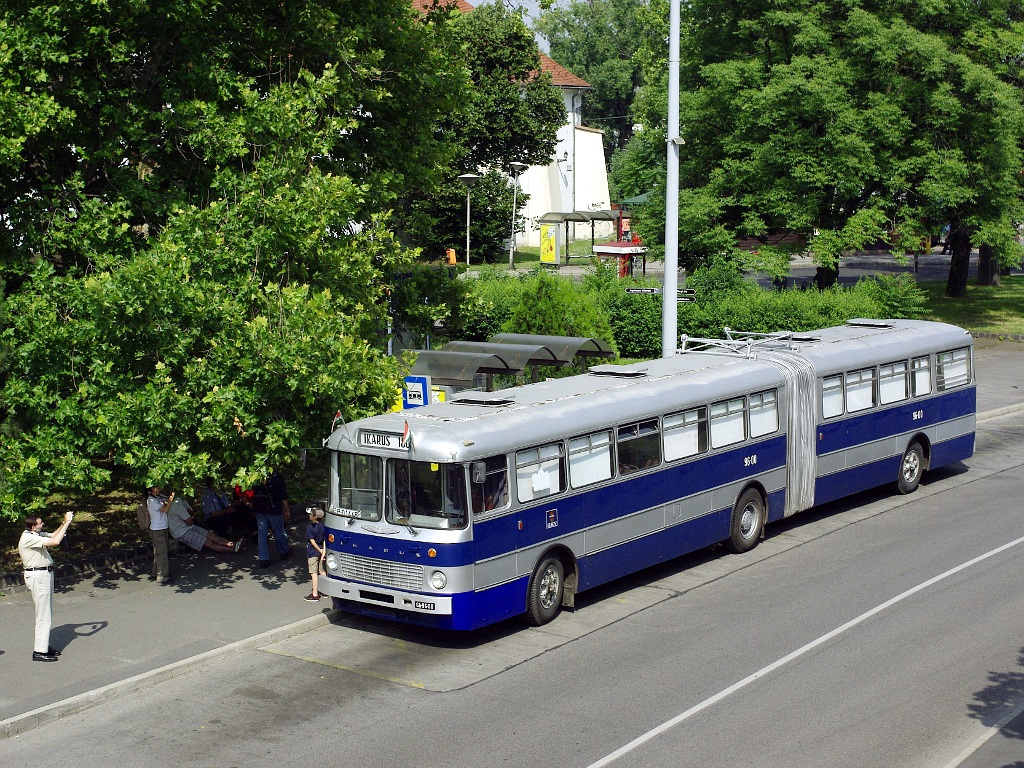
[38, 566]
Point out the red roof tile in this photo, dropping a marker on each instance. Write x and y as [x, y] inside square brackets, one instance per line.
[426, 5]
[560, 75]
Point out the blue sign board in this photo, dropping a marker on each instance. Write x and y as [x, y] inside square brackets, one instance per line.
[415, 392]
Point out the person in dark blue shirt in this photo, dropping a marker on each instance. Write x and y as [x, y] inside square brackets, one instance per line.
[315, 550]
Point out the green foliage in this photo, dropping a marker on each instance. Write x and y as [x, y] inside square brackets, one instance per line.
[426, 301]
[552, 305]
[896, 296]
[193, 265]
[839, 123]
[511, 115]
[492, 296]
[763, 311]
[597, 40]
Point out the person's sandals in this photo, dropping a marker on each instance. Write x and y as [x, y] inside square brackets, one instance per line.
[238, 545]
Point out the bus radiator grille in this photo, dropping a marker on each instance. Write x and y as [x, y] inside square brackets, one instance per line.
[383, 572]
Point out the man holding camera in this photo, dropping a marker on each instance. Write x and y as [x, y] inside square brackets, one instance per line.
[158, 532]
[38, 565]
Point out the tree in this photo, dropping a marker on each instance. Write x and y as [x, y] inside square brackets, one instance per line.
[513, 115]
[194, 259]
[844, 125]
[597, 41]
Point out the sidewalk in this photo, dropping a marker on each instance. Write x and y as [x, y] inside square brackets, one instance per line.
[120, 632]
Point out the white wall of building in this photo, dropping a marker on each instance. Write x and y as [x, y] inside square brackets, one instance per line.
[575, 179]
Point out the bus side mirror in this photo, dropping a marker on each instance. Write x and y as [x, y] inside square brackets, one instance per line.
[478, 472]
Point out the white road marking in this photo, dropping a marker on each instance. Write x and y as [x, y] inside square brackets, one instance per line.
[683, 716]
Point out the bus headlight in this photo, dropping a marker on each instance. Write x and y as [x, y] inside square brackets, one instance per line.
[438, 580]
[331, 561]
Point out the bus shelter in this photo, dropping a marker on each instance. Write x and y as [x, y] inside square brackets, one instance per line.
[554, 246]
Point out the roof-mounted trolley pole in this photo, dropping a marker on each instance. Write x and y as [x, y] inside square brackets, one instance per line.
[669, 324]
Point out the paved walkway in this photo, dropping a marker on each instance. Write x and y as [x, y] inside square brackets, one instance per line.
[120, 632]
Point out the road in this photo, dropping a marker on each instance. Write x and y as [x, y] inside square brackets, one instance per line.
[883, 631]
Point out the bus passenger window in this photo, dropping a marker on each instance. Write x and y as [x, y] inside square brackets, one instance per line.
[727, 423]
[921, 377]
[764, 413]
[540, 472]
[590, 459]
[860, 390]
[892, 383]
[686, 434]
[832, 397]
[492, 493]
[952, 369]
[639, 447]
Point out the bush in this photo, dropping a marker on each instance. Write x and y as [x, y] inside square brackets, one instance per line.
[897, 296]
[487, 305]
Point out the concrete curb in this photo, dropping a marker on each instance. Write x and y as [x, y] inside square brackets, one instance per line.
[20, 723]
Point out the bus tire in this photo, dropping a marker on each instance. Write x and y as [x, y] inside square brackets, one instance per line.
[546, 589]
[747, 522]
[911, 468]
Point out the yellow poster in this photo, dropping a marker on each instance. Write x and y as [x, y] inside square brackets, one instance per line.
[548, 244]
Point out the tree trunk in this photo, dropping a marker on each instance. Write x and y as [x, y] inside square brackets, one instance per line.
[959, 262]
[988, 267]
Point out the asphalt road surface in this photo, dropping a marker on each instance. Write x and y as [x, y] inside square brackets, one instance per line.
[882, 631]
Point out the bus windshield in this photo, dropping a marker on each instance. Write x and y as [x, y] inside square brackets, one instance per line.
[360, 479]
[425, 495]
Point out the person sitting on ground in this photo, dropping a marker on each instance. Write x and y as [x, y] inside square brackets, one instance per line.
[179, 520]
[224, 517]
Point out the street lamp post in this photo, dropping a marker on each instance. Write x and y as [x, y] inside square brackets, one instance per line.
[517, 168]
[469, 179]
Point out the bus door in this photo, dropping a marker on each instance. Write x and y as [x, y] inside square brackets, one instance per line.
[801, 453]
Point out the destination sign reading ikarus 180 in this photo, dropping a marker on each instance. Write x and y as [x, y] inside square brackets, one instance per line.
[389, 440]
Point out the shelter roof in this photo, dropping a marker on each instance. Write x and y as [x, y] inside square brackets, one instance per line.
[558, 217]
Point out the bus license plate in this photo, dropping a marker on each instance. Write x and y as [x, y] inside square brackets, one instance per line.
[423, 606]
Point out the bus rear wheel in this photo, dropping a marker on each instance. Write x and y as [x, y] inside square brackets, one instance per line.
[546, 588]
[911, 468]
[747, 522]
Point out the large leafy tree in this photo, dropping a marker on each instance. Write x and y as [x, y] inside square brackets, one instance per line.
[598, 41]
[194, 265]
[843, 124]
[513, 115]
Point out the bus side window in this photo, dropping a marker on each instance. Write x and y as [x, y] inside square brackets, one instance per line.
[892, 383]
[727, 423]
[860, 390]
[952, 369]
[686, 434]
[540, 472]
[590, 459]
[639, 446]
[764, 413]
[492, 493]
[831, 397]
[921, 376]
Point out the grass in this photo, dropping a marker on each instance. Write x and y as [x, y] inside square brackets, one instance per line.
[106, 521]
[995, 309]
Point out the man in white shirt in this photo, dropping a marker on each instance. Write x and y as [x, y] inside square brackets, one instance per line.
[158, 505]
[38, 565]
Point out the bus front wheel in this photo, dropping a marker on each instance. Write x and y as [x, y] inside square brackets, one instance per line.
[747, 522]
[546, 588]
[911, 468]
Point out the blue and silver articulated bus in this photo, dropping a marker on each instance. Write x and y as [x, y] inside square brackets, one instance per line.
[498, 504]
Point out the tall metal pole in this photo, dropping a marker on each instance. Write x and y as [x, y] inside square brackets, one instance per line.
[512, 239]
[517, 169]
[669, 318]
[469, 179]
[467, 226]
